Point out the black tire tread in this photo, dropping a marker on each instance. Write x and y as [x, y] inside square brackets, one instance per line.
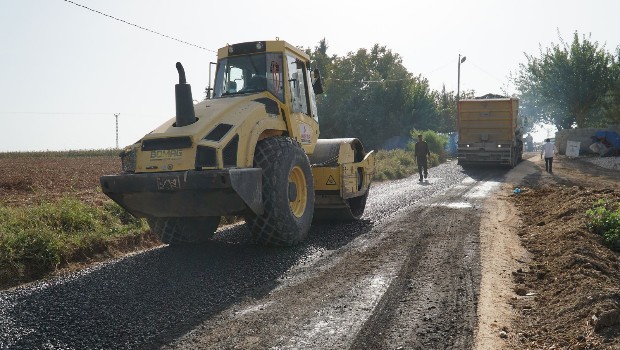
[179, 231]
[278, 226]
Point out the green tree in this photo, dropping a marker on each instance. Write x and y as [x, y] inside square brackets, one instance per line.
[421, 106]
[365, 95]
[566, 85]
[370, 95]
[322, 62]
[611, 109]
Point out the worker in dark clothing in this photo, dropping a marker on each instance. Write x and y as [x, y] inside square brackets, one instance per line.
[421, 153]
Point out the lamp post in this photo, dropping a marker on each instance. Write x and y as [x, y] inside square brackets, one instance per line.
[458, 86]
[458, 95]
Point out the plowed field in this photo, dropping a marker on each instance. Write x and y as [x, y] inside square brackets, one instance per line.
[34, 179]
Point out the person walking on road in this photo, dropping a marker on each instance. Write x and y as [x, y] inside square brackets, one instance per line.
[530, 143]
[421, 153]
[548, 149]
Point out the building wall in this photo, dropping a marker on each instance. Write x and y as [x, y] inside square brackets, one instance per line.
[580, 135]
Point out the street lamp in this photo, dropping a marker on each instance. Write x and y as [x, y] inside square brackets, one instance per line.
[458, 86]
[458, 95]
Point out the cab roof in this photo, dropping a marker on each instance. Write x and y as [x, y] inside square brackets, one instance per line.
[260, 46]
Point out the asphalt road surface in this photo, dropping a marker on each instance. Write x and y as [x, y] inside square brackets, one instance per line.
[405, 276]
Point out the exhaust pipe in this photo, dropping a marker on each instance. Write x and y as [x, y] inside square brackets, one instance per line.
[184, 101]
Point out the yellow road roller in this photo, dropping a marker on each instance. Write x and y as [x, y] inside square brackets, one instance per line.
[250, 149]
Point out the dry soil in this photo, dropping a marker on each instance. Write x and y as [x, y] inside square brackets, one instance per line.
[553, 285]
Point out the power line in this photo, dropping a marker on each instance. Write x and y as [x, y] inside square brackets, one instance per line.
[369, 81]
[58, 113]
[139, 27]
[487, 73]
[78, 114]
[441, 67]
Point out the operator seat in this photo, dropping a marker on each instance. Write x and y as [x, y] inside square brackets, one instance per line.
[257, 83]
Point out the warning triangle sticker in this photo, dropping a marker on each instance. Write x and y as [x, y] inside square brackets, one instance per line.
[331, 181]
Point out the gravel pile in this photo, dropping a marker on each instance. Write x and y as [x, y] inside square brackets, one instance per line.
[606, 162]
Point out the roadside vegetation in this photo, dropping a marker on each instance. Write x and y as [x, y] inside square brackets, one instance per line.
[400, 163]
[604, 219]
[35, 240]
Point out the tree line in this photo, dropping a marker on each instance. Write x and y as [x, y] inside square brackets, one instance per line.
[370, 95]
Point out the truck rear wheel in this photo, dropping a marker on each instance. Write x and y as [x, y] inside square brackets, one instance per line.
[176, 231]
[513, 159]
[288, 193]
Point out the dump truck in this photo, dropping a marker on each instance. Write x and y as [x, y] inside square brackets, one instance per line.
[489, 131]
[251, 149]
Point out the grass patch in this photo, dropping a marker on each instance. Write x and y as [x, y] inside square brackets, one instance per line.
[604, 219]
[108, 152]
[398, 164]
[394, 164]
[36, 240]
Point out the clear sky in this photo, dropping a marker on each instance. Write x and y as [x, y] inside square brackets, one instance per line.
[65, 71]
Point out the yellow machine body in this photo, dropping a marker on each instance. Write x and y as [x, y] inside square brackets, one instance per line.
[202, 163]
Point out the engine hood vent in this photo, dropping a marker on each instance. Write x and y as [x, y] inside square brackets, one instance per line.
[218, 132]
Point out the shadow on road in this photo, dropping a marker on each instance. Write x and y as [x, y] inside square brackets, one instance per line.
[482, 172]
[149, 299]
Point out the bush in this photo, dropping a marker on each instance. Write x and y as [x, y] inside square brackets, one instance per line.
[604, 219]
[399, 163]
[394, 164]
[34, 249]
[436, 144]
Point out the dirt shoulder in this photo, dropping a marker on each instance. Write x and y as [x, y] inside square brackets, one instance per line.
[501, 253]
[547, 281]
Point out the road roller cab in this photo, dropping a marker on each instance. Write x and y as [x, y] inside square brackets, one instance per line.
[252, 149]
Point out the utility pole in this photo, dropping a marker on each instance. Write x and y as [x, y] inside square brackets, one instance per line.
[116, 116]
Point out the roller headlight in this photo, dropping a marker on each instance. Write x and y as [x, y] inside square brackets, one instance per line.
[128, 160]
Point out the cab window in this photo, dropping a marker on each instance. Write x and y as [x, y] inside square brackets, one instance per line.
[249, 74]
[297, 82]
